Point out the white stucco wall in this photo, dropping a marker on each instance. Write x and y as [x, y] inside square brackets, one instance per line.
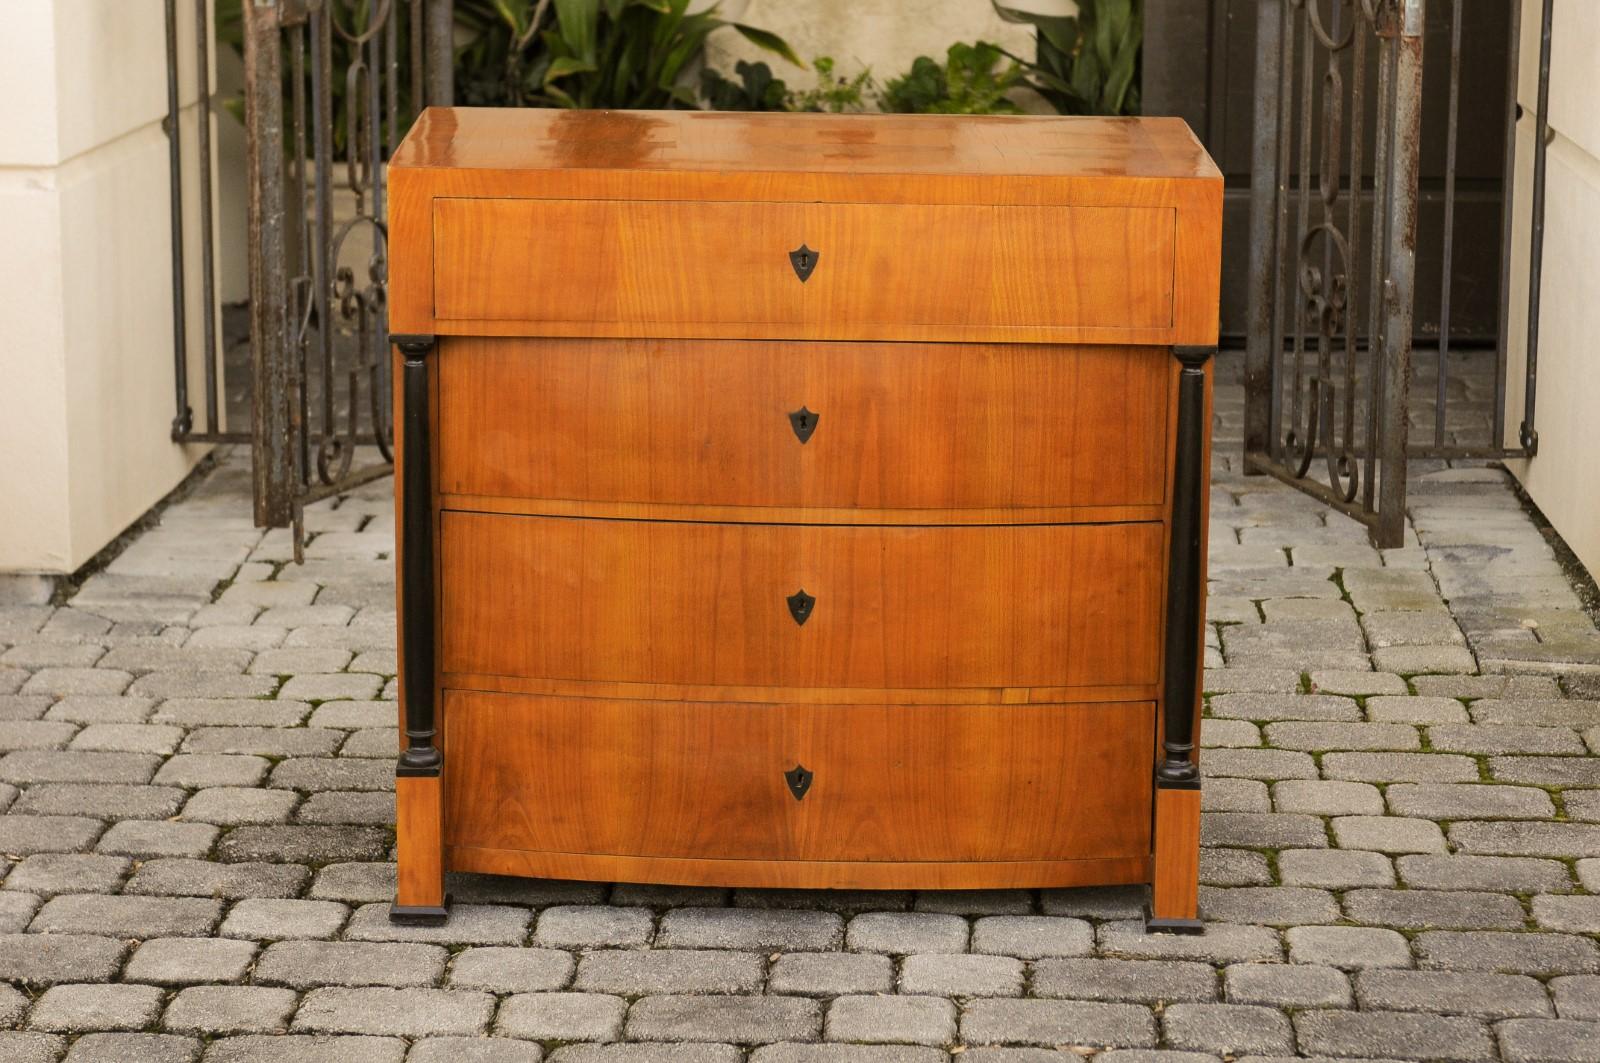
[1564, 479]
[86, 392]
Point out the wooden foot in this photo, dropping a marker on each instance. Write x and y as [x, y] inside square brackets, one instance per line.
[419, 827]
[1175, 889]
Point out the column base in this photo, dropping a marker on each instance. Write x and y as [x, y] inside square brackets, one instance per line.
[1152, 925]
[419, 914]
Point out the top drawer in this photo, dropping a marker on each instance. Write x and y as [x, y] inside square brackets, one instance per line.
[858, 271]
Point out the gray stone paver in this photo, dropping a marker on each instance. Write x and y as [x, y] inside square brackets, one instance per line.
[1402, 832]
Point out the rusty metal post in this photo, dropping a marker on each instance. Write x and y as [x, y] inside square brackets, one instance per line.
[269, 290]
[183, 419]
[208, 273]
[1399, 283]
[1527, 434]
[441, 53]
[1262, 342]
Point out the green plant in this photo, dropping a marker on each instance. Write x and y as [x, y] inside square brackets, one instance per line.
[596, 53]
[967, 83]
[1088, 64]
[756, 89]
[833, 93]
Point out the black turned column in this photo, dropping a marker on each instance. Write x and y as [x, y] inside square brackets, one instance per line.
[1185, 573]
[421, 757]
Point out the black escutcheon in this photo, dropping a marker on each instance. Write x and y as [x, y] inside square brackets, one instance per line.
[799, 780]
[804, 260]
[804, 422]
[800, 606]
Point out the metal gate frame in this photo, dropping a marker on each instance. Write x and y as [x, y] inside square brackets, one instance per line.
[1305, 340]
[316, 322]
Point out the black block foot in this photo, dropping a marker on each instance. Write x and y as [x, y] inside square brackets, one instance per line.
[1152, 925]
[419, 915]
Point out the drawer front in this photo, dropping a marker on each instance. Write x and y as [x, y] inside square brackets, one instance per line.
[692, 780]
[827, 424]
[897, 607]
[626, 267]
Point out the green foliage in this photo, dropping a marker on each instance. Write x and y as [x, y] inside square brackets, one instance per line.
[967, 83]
[834, 94]
[595, 53]
[1088, 64]
[756, 89]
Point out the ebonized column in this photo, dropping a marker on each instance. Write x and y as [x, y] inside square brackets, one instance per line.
[421, 757]
[1174, 895]
[1185, 577]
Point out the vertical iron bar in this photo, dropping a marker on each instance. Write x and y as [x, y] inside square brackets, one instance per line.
[441, 53]
[1528, 435]
[415, 31]
[322, 212]
[421, 756]
[1376, 291]
[1264, 345]
[269, 291]
[1302, 222]
[391, 80]
[183, 420]
[301, 448]
[208, 284]
[1449, 221]
[1281, 231]
[1352, 268]
[1508, 177]
[1400, 286]
[1185, 576]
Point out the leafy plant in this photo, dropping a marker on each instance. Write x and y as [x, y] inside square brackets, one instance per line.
[1088, 64]
[834, 94]
[756, 89]
[967, 83]
[595, 53]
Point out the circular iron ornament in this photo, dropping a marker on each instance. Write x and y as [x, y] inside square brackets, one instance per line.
[1314, 13]
[361, 309]
[377, 15]
[1330, 294]
[1345, 467]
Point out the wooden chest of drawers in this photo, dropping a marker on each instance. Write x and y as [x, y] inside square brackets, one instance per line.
[811, 501]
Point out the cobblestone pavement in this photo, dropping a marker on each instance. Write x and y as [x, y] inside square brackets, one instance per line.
[1402, 836]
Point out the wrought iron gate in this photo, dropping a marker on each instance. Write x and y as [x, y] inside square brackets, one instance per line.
[1328, 367]
[330, 88]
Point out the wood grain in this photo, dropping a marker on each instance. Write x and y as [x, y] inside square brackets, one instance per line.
[1101, 150]
[419, 830]
[1175, 885]
[621, 506]
[920, 783]
[804, 874]
[638, 601]
[900, 426]
[601, 263]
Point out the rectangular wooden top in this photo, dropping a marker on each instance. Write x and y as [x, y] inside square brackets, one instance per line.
[724, 142]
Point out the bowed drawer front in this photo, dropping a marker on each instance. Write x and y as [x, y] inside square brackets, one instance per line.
[921, 426]
[1064, 605]
[801, 501]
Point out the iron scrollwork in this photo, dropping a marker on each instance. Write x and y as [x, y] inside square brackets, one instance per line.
[1331, 377]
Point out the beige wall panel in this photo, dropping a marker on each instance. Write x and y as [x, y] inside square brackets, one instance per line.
[34, 525]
